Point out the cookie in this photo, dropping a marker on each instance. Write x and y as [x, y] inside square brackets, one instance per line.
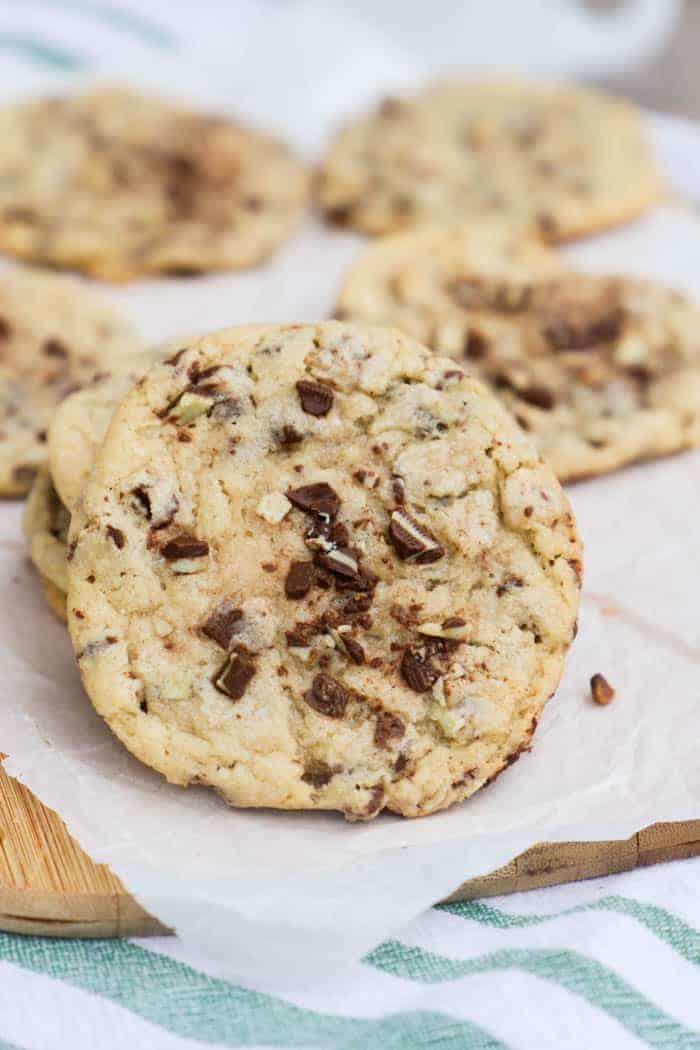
[81, 422]
[601, 371]
[55, 335]
[46, 521]
[563, 159]
[118, 184]
[316, 567]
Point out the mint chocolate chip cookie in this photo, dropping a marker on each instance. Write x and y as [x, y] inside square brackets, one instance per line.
[316, 567]
[118, 184]
[55, 335]
[559, 158]
[600, 370]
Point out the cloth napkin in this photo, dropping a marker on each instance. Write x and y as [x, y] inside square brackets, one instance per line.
[610, 963]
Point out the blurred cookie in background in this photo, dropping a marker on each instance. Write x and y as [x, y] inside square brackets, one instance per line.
[602, 371]
[560, 158]
[118, 184]
[55, 336]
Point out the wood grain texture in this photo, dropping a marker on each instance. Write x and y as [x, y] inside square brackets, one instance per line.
[49, 885]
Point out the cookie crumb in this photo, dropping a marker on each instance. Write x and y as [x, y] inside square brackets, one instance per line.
[601, 690]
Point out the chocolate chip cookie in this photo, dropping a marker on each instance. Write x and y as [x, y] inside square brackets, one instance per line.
[563, 159]
[600, 370]
[80, 423]
[46, 521]
[55, 335]
[316, 567]
[118, 184]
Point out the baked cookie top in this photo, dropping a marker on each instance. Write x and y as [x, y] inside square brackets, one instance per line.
[564, 159]
[118, 184]
[318, 567]
[80, 423]
[600, 370]
[55, 335]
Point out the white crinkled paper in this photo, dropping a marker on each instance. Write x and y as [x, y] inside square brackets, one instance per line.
[265, 893]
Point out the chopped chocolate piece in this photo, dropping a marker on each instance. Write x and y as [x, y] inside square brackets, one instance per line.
[117, 536]
[340, 534]
[143, 704]
[419, 674]
[452, 622]
[389, 727]
[287, 435]
[341, 561]
[411, 541]
[5, 329]
[317, 499]
[398, 490]
[375, 800]
[360, 603]
[353, 649]
[142, 502]
[538, 395]
[317, 774]
[328, 696]
[234, 676]
[407, 617]
[184, 546]
[400, 764]
[340, 215]
[223, 623]
[55, 348]
[601, 690]
[299, 579]
[363, 581]
[564, 335]
[316, 398]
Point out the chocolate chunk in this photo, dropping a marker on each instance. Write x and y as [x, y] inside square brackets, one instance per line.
[476, 346]
[363, 581]
[418, 674]
[358, 604]
[142, 502]
[316, 398]
[317, 774]
[234, 676]
[454, 621]
[328, 696]
[601, 690]
[411, 541]
[562, 334]
[184, 546]
[117, 536]
[223, 623]
[353, 649]
[340, 215]
[287, 435]
[398, 490]
[54, 348]
[5, 329]
[341, 561]
[389, 727]
[539, 396]
[299, 579]
[316, 499]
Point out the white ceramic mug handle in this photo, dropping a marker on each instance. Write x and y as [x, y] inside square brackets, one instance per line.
[630, 32]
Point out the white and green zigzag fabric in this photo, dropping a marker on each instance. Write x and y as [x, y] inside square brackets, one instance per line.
[611, 963]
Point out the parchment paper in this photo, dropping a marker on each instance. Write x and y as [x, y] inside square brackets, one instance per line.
[264, 894]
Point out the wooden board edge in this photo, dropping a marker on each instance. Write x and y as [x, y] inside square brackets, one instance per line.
[50, 887]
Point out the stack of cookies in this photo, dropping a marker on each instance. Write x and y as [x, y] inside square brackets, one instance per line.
[331, 565]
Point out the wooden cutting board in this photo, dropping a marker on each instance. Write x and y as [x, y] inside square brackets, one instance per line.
[49, 885]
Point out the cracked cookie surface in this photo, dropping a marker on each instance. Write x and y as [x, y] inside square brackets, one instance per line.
[119, 184]
[316, 567]
[55, 335]
[602, 371]
[560, 158]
